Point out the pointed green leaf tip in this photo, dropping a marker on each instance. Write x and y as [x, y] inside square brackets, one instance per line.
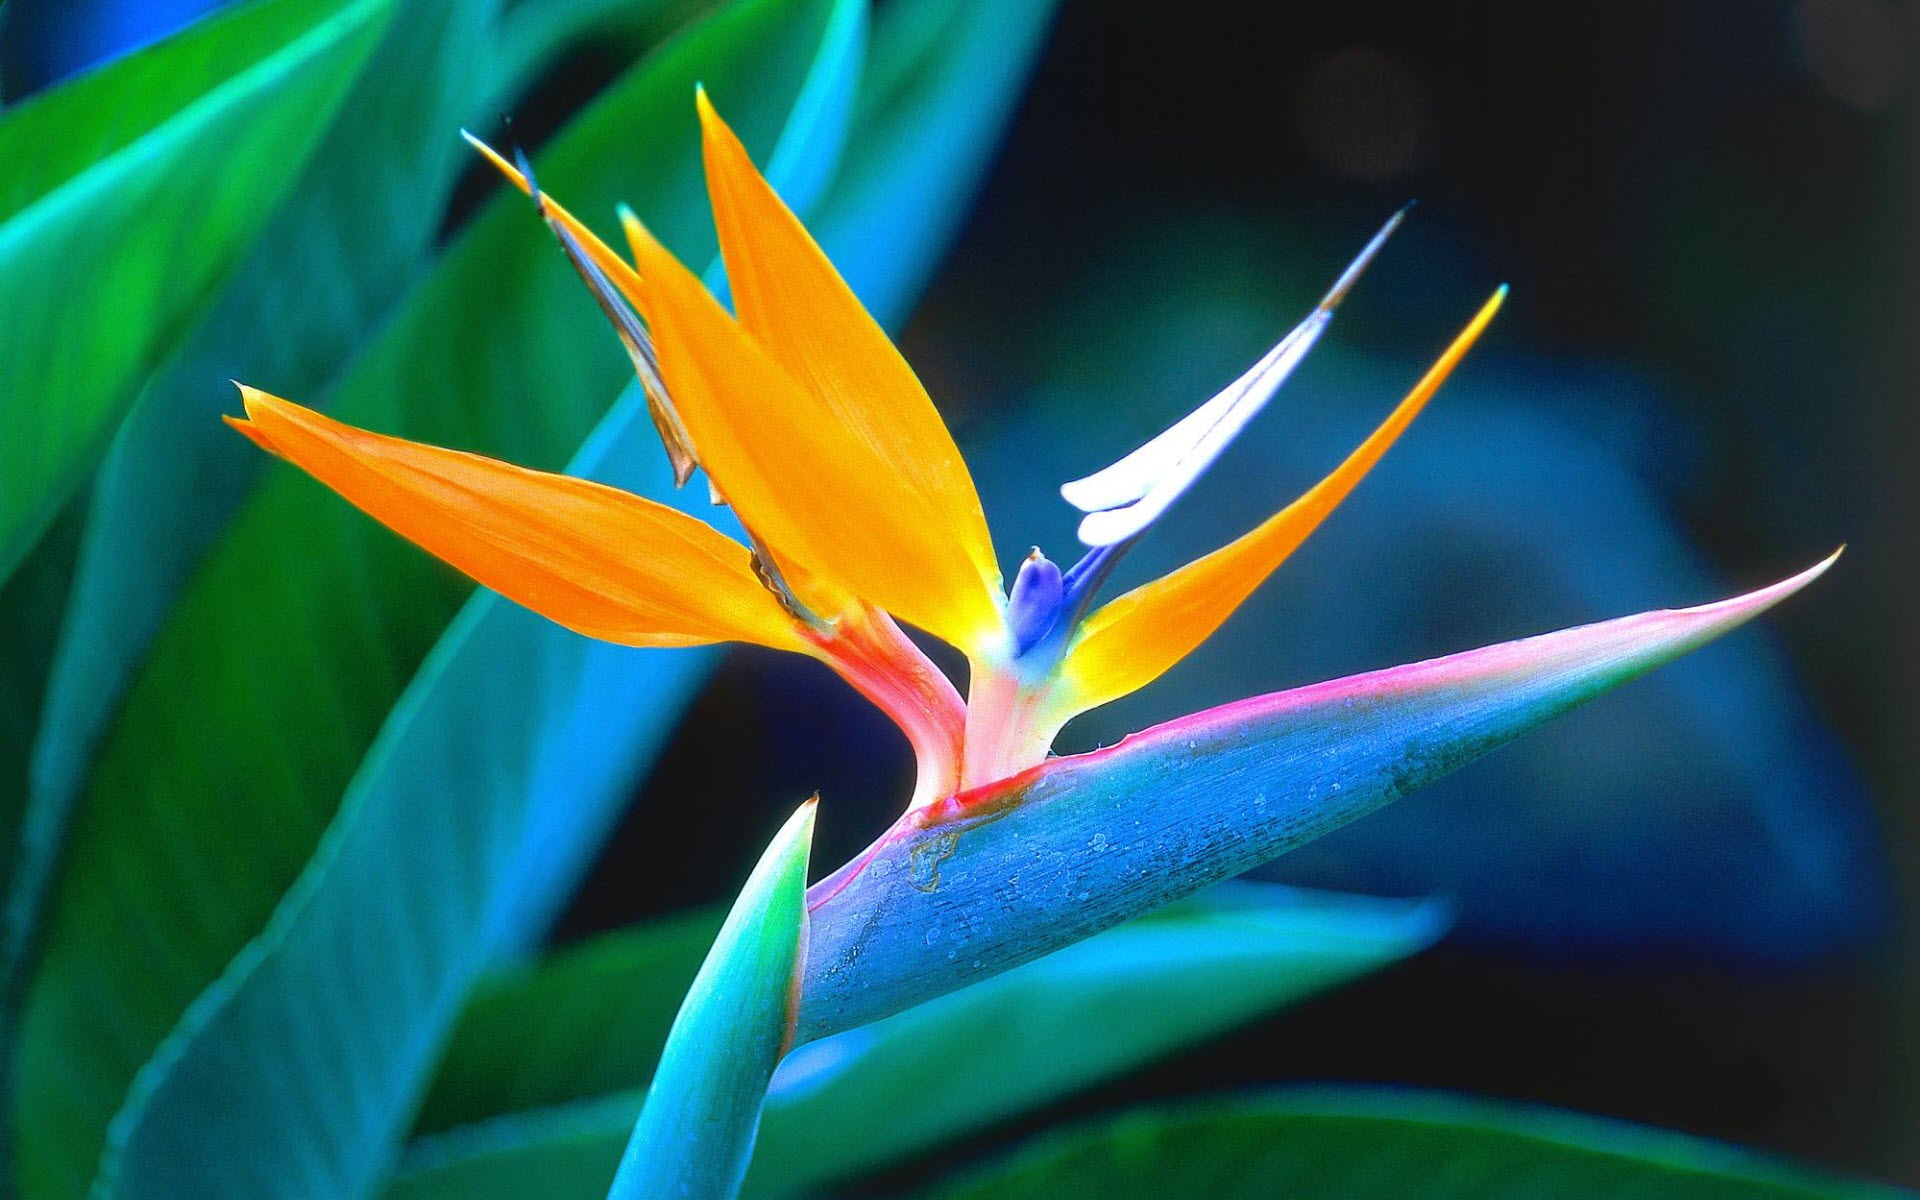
[695, 1134]
[1078, 844]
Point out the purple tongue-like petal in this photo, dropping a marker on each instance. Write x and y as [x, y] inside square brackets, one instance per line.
[974, 885]
[1035, 602]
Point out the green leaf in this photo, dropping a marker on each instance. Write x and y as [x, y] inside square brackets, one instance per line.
[1338, 1144]
[1082, 842]
[57, 135]
[589, 1021]
[198, 817]
[903, 1085]
[30, 604]
[697, 1128]
[537, 31]
[1094, 1011]
[352, 235]
[131, 192]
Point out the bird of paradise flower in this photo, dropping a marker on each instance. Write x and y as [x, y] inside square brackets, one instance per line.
[860, 515]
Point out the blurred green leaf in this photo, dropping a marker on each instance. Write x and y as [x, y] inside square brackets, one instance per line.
[696, 1130]
[901, 1086]
[586, 1022]
[329, 264]
[30, 605]
[354, 235]
[1336, 1144]
[311, 618]
[534, 32]
[56, 136]
[130, 193]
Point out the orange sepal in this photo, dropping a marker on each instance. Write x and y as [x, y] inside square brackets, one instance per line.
[787, 294]
[1133, 640]
[595, 559]
[616, 268]
[828, 502]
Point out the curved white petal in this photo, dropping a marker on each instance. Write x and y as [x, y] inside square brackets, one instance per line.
[1125, 498]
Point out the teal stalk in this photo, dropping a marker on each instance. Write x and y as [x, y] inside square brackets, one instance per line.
[695, 1134]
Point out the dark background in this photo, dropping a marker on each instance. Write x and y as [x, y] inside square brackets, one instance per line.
[1707, 214]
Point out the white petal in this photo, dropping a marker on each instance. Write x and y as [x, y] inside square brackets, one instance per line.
[1126, 497]
[1175, 474]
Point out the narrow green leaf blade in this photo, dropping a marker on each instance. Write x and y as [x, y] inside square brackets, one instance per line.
[30, 604]
[352, 235]
[57, 135]
[1081, 843]
[697, 1128]
[1094, 1011]
[100, 270]
[863, 1099]
[1339, 1144]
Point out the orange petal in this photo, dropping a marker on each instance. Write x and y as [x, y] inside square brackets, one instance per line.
[857, 389]
[603, 255]
[604, 273]
[595, 559]
[828, 498]
[1132, 641]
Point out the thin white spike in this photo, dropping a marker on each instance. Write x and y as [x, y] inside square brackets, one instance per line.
[1134, 477]
[1128, 496]
[1109, 526]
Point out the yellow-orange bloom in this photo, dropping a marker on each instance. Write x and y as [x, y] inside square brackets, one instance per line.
[858, 506]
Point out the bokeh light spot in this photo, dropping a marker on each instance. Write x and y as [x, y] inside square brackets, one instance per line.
[1851, 49]
[1364, 114]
